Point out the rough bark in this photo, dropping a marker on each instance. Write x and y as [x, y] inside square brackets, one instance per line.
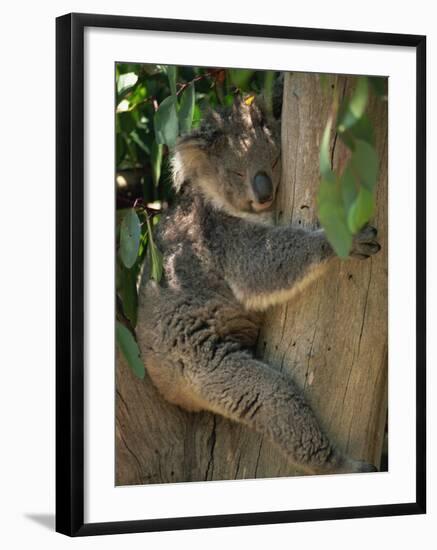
[332, 338]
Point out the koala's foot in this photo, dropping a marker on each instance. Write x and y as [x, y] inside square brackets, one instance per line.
[341, 464]
[366, 467]
[338, 463]
[357, 466]
[365, 244]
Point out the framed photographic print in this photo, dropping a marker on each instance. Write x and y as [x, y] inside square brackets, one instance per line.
[240, 274]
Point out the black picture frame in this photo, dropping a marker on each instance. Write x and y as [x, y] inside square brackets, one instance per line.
[70, 273]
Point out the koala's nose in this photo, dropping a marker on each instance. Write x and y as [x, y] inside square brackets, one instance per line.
[262, 187]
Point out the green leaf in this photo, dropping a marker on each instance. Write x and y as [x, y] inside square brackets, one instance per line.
[186, 110]
[348, 139]
[136, 139]
[361, 210]
[349, 188]
[123, 68]
[325, 152]
[128, 346]
[378, 84]
[197, 116]
[156, 261]
[132, 152]
[362, 130]
[139, 94]
[150, 69]
[121, 148]
[240, 78]
[126, 81]
[355, 108]
[143, 244]
[156, 160]
[128, 293]
[166, 122]
[333, 219]
[171, 71]
[155, 256]
[126, 121]
[358, 102]
[130, 233]
[364, 163]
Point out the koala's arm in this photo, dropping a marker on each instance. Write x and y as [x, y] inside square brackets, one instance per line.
[266, 265]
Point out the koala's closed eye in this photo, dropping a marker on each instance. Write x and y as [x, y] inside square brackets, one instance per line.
[235, 173]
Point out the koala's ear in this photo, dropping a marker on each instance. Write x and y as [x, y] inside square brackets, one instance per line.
[188, 160]
[251, 110]
[262, 117]
[239, 104]
[259, 111]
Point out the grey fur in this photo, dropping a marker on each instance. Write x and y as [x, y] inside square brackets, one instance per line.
[224, 263]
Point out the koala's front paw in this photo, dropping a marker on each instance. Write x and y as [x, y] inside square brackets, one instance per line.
[365, 243]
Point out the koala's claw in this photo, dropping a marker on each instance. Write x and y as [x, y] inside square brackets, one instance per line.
[351, 466]
[365, 467]
[368, 233]
[365, 243]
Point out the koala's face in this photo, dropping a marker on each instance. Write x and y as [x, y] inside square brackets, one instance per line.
[233, 159]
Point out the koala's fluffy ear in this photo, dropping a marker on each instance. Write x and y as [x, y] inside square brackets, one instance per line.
[189, 160]
[260, 112]
[252, 110]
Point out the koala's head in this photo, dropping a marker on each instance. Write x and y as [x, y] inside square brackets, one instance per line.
[233, 159]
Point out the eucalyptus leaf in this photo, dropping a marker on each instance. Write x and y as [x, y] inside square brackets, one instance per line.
[155, 256]
[348, 139]
[156, 267]
[156, 160]
[333, 219]
[364, 163]
[128, 293]
[197, 116]
[129, 348]
[126, 121]
[378, 84]
[166, 122]
[186, 110]
[143, 243]
[139, 94]
[363, 130]
[349, 188]
[171, 71]
[121, 148]
[125, 82]
[361, 210]
[358, 102]
[130, 233]
[240, 77]
[136, 139]
[325, 152]
[355, 108]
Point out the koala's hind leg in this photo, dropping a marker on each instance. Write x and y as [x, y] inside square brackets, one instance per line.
[251, 392]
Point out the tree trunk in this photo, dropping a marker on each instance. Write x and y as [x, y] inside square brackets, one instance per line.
[332, 338]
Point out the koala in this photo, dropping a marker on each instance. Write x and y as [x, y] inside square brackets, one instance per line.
[224, 263]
